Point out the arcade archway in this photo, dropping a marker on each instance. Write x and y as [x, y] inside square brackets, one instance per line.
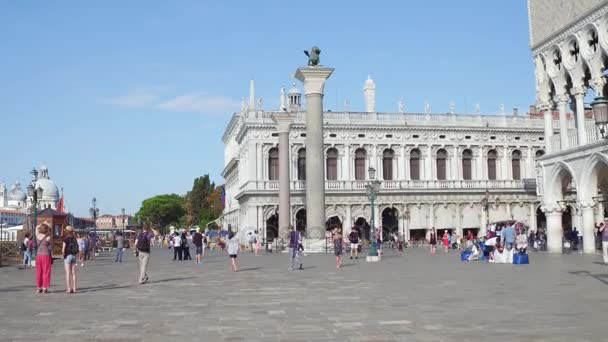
[272, 227]
[362, 227]
[390, 222]
[333, 222]
[301, 221]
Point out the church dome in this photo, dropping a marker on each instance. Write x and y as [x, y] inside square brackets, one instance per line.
[294, 89]
[16, 194]
[50, 192]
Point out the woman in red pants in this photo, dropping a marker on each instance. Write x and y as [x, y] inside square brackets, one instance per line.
[43, 258]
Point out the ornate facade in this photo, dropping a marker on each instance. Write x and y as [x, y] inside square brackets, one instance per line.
[434, 169]
[569, 42]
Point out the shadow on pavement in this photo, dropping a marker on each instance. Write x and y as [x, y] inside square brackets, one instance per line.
[102, 288]
[169, 280]
[601, 277]
[249, 269]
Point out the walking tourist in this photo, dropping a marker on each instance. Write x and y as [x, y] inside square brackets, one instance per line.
[177, 250]
[120, 245]
[445, 240]
[432, 239]
[337, 239]
[233, 250]
[87, 248]
[574, 238]
[300, 252]
[185, 247]
[81, 249]
[70, 251]
[604, 233]
[378, 239]
[258, 244]
[142, 246]
[353, 238]
[43, 257]
[507, 235]
[293, 246]
[252, 239]
[27, 251]
[399, 240]
[197, 240]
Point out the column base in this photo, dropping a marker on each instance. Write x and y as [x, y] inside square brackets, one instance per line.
[317, 246]
[376, 258]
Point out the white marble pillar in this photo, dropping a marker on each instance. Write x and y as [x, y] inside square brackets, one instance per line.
[314, 83]
[482, 223]
[458, 219]
[431, 220]
[347, 162]
[401, 162]
[530, 163]
[532, 214]
[581, 133]
[406, 166]
[588, 228]
[428, 170]
[284, 121]
[406, 224]
[348, 220]
[548, 115]
[562, 102]
[504, 164]
[554, 230]
[599, 216]
[260, 162]
[400, 224]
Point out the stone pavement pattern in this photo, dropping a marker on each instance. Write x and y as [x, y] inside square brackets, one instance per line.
[412, 298]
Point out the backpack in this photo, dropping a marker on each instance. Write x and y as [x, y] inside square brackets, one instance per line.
[143, 243]
[353, 237]
[23, 247]
[71, 246]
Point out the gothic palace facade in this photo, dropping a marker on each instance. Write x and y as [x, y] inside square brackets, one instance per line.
[434, 169]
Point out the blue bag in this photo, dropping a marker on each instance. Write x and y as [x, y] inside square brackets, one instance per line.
[520, 259]
[464, 255]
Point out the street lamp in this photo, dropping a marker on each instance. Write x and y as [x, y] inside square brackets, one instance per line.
[123, 221]
[35, 194]
[94, 211]
[486, 204]
[600, 112]
[372, 190]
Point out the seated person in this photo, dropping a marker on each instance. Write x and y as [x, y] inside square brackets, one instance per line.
[521, 242]
[500, 256]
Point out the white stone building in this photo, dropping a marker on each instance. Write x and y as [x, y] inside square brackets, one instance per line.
[17, 198]
[434, 168]
[569, 43]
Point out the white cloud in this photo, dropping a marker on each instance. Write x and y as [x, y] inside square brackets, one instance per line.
[138, 97]
[193, 102]
[200, 102]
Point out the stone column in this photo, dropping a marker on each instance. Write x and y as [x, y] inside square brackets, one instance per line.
[260, 163]
[533, 224]
[588, 228]
[562, 101]
[348, 220]
[548, 115]
[482, 223]
[554, 229]
[284, 121]
[579, 95]
[314, 83]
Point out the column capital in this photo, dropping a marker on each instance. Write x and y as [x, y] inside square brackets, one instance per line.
[579, 91]
[551, 210]
[561, 98]
[313, 78]
[283, 121]
[598, 83]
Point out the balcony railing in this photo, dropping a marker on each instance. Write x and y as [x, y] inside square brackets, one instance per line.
[591, 136]
[392, 185]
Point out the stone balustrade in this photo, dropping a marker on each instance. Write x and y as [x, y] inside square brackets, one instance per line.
[392, 185]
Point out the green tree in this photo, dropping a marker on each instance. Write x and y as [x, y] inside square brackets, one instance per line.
[162, 210]
[197, 199]
[213, 208]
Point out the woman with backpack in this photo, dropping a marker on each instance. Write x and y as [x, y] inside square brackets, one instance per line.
[185, 247]
[70, 253]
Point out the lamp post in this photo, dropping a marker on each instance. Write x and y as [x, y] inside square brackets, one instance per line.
[94, 211]
[372, 191]
[486, 203]
[123, 221]
[600, 112]
[35, 194]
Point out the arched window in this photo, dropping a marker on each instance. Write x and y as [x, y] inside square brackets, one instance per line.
[332, 164]
[441, 158]
[273, 164]
[302, 164]
[540, 153]
[492, 164]
[415, 164]
[467, 167]
[387, 164]
[516, 164]
[360, 164]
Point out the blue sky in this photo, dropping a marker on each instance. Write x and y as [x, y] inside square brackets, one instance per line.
[124, 100]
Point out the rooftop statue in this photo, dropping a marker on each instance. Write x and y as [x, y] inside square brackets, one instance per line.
[313, 56]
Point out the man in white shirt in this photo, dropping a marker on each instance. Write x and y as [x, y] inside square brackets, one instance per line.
[177, 249]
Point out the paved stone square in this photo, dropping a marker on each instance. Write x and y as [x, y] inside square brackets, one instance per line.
[412, 298]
